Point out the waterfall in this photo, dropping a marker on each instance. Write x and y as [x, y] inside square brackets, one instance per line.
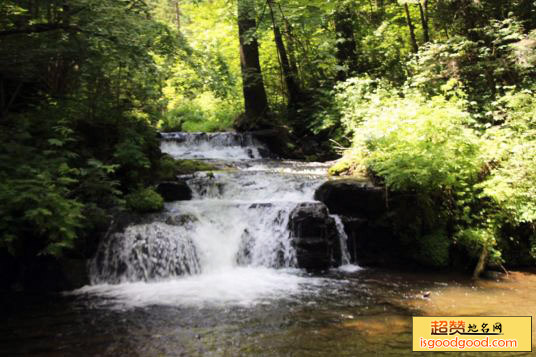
[346, 259]
[145, 252]
[232, 241]
[223, 146]
[343, 239]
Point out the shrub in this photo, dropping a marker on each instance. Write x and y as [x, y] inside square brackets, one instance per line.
[411, 142]
[512, 156]
[424, 148]
[498, 56]
[205, 113]
[433, 249]
[145, 200]
[186, 112]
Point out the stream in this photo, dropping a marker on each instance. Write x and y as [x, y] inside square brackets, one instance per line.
[218, 276]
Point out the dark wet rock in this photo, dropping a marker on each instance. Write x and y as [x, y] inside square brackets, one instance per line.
[352, 198]
[244, 251]
[181, 220]
[261, 205]
[122, 220]
[314, 235]
[371, 241]
[276, 140]
[354, 227]
[174, 191]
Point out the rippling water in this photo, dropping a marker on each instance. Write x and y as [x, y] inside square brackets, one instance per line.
[224, 282]
[364, 313]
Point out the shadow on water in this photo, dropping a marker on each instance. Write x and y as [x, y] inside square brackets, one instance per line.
[366, 313]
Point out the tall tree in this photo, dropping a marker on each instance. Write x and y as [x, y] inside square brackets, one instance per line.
[255, 99]
[526, 11]
[346, 44]
[411, 27]
[288, 74]
[379, 13]
[289, 36]
[177, 6]
[423, 9]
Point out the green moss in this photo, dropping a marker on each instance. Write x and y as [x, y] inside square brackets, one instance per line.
[351, 164]
[433, 249]
[340, 167]
[191, 166]
[171, 168]
[145, 200]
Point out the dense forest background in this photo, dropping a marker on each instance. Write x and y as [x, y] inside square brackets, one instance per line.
[429, 98]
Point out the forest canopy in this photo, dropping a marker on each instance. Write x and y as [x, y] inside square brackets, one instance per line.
[430, 97]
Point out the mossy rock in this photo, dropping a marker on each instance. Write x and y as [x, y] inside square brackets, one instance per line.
[341, 167]
[145, 200]
[171, 168]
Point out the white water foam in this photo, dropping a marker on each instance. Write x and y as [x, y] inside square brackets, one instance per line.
[349, 268]
[243, 286]
[230, 245]
[214, 146]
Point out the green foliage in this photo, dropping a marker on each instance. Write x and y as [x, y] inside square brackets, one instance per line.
[203, 114]
[411, 142]
[512, 158]
[36, 205]
[75, 116]
[37, 213]
[478, 178]
[174, 119]
[496, 57]
[341, 167]
[433, 250]
[84, 84]
[145, 200]
[472, 239]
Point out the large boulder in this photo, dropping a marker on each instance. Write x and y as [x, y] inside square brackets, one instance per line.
[352, 197]
[315, 237]
[372, 242]
[174, 191]
[276, 140]
[369, 222]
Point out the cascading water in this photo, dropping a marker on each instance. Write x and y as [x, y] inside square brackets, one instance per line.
[225, 146]
[346, 259]
[230, 244]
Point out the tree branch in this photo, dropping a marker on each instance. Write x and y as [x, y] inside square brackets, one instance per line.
[38, 28]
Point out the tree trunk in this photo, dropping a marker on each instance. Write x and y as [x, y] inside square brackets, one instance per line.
[292, 52]
[380, 11]
[177, 14]
[526, 11]
[346, 45]
[255, 99]
[413, 40]
[481, 265]
[290, 46]
[290, 79]
[423, 9]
